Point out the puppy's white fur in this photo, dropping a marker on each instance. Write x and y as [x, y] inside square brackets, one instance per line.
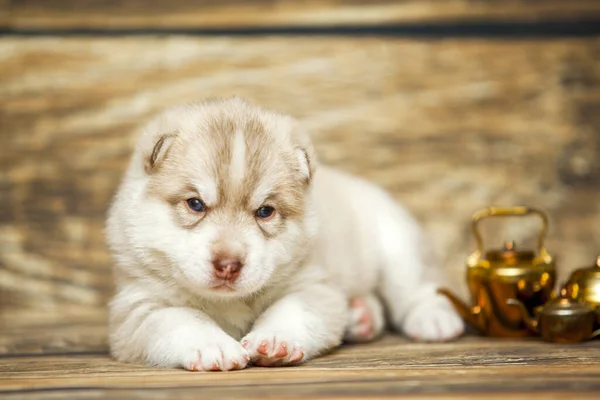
[333, 238]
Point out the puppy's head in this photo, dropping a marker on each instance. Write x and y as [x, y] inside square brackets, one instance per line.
[224, 209]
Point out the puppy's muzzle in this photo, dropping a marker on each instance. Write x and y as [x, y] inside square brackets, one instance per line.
[227, 269]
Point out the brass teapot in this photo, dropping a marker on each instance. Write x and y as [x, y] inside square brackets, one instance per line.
[561, 320]
[496, 276]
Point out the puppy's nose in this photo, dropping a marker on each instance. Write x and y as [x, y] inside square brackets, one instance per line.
[227, 268]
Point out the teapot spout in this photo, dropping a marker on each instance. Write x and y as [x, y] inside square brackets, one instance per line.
[472, 315]
[531, 323]
[594, 334]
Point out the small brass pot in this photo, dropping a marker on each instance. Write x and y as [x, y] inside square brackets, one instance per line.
[584, 286]
[562, 320]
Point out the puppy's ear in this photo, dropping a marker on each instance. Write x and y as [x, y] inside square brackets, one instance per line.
[305, 154]
[156, 154]
[305, 165]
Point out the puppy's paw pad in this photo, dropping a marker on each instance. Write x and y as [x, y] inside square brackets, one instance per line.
[366, 320]
[272, 350]
[223, 355]
[433, 320]
[361, 325]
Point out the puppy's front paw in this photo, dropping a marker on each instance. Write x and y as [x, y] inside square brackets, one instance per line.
[218, 353]
[272, 349]
[433, 320]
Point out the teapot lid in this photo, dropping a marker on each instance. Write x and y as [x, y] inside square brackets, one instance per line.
[509, 255]
[565, 305]
[586, 273]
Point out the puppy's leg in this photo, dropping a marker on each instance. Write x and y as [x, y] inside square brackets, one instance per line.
[366, 319]
[173, 337]
[410, 278]
[298, 326]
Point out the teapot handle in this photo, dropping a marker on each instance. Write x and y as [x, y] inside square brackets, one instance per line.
[543, 255]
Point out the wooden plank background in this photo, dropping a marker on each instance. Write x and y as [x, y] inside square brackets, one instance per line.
[447, 125]
[178, 14]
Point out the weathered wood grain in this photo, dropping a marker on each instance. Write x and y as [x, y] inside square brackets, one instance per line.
[73, 329]
[4, 13]
[447, 126]
[391, 366]
[181, 14]
[274, 393]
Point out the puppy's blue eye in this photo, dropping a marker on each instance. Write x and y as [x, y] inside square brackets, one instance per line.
[196, 205]
[265, 212]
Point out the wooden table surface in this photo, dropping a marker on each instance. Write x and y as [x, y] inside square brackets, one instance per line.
[53, 355]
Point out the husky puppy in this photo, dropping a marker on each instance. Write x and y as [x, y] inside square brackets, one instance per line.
[234, 246]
